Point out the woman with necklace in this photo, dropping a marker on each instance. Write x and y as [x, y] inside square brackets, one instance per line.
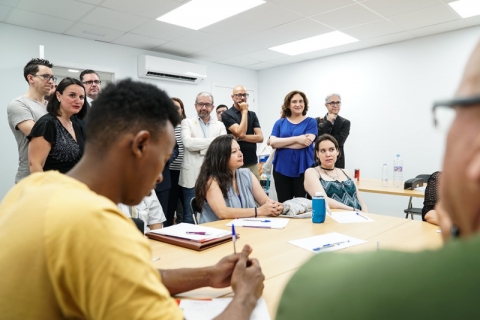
[336, 183]
[224, 190]
[292, 137]
[57, 139]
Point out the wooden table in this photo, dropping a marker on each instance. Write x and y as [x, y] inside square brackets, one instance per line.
[280, 260]
[375, 186]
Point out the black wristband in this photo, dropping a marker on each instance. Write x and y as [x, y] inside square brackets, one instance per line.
[255, 212]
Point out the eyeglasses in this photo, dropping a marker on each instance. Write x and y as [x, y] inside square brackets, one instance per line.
[444, 111]
[201, 105]
[332, 103]
[46, 77]
[90, 82]
[241, 95]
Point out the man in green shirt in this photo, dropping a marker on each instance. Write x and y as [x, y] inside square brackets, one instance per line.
[441, 284]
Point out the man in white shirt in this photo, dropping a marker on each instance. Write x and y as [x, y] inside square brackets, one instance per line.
[93, 84]
[197, 134]
[149, 211]
[25, 110]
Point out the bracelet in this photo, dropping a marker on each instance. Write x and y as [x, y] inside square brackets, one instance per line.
[255, 212]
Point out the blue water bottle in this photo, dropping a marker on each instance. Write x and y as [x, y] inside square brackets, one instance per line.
[318, 208]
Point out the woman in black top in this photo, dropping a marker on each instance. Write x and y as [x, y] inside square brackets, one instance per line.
[429, 213]
[57, 139]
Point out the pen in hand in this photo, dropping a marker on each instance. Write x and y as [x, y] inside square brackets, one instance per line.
[234, 238]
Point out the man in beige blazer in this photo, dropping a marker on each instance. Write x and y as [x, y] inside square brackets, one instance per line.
[197, 134]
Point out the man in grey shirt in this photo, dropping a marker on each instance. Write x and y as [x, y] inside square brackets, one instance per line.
[25, 110]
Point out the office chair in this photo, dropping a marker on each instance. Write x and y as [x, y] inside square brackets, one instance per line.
[411, 211]
[195, 210]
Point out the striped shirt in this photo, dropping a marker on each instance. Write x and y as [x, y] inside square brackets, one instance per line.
[177, 163]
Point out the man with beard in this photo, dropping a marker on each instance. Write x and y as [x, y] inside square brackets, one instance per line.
[197, 134]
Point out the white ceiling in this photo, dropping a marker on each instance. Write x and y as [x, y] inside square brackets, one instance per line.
[242, 40]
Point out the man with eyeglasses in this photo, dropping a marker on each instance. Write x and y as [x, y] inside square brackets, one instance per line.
[197, 133]
[91, 81]
[244, 125]
[335, 125]
[440, 284]
[25, 110]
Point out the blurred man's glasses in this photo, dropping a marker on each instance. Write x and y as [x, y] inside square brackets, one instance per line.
[46, 77]
[201, 105]
[89, 83]
[332, 103]
[444, 111]
[241, 95]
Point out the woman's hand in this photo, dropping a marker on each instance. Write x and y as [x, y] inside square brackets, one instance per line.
[270, 208]
[306, 139]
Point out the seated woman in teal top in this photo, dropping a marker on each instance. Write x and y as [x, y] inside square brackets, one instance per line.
[336, 183]
[225, 191]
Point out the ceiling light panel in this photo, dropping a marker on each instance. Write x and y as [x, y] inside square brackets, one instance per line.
[323, 41]
[466, 8]
[198, 14]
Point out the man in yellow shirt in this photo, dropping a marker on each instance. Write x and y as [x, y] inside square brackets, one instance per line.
[68, 252]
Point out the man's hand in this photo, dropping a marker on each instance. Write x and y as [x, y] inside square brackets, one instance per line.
[247, 277]
[331, 117]
[243, 106]
[221, 273]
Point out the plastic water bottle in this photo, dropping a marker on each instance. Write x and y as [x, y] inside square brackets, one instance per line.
[384, 175]
[267, 184]
[398, 172]
[318, 208]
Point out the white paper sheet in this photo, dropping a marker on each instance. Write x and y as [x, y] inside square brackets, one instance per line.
[350, 217]
[267, 223]
[209, 309]
[327, 242]
[181, 231]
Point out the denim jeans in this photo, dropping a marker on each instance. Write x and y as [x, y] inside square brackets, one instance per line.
[188, 194]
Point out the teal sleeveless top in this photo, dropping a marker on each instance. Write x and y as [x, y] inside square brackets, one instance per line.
[342, 191]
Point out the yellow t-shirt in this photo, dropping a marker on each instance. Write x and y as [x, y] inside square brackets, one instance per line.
[67, 252]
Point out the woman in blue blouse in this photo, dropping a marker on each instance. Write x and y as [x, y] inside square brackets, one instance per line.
[292, 136]
[336, 183]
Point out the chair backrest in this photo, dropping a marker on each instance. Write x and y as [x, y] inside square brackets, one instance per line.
[425, 177]
[195, 210]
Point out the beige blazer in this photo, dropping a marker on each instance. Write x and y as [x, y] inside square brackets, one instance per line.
[195, 147]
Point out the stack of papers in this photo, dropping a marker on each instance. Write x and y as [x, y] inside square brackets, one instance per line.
[265, 223]
[212, 308]
[350, 217]
[327, 242]
[192, 232]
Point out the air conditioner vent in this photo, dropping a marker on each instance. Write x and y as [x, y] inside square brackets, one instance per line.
[151, 67]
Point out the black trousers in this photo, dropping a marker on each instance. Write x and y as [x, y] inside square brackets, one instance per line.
[175, 195]
[288, 187]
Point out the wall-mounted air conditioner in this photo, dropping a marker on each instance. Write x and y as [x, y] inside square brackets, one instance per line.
[171, 70]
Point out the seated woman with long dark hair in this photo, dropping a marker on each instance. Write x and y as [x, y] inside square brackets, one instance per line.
[57, 139]
[226, 191]
[337, 184]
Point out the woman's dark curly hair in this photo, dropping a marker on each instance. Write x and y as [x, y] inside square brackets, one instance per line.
[53, 106]
[215, 166]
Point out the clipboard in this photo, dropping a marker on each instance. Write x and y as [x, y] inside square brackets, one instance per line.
[189, 244]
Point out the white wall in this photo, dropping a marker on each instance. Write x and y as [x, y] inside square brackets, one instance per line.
[387, 94]
[19, 45]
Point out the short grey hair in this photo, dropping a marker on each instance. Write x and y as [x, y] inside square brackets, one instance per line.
[331, 95]
[204, 94]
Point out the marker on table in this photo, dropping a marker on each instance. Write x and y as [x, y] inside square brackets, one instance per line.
[329, 245]
[201, 233]
[257, 220]
[234, 238]
[361, 215]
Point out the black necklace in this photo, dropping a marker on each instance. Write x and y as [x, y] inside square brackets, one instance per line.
[327, 169]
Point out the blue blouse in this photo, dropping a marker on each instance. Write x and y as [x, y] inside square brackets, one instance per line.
[294, 162]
